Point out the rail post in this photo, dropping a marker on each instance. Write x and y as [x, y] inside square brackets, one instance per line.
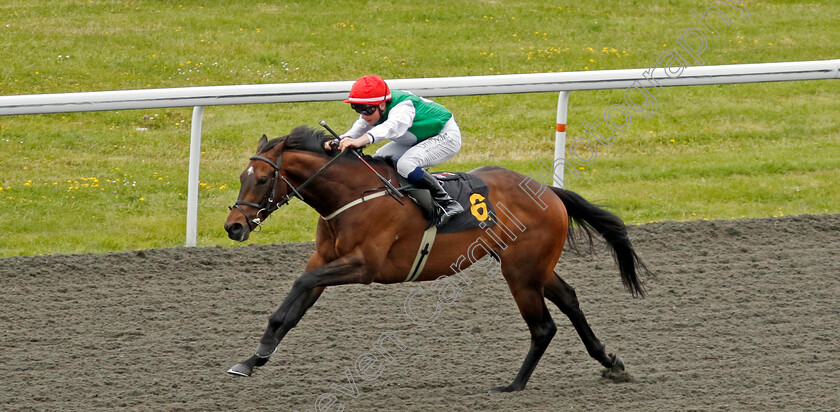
[560, 139]
[192, 185]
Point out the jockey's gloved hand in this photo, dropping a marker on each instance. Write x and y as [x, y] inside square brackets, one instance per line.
[331, 145]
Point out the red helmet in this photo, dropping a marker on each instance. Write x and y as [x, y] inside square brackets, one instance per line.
[370, 89]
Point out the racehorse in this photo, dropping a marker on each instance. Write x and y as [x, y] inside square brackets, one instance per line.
[377, 239]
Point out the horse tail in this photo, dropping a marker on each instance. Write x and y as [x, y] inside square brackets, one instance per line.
[592, 218]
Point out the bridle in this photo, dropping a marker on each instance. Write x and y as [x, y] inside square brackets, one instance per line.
[268, 203]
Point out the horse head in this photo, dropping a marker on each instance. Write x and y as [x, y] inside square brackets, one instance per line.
[263, 189]
[266, 183]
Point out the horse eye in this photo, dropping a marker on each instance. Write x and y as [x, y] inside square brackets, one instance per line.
[262, 180]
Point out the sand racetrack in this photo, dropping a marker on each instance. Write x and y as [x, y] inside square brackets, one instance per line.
[743, 315]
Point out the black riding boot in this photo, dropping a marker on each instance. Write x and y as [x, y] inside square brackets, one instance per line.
[448, 206]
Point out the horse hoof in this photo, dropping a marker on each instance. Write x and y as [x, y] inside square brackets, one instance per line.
[241, 369]
[616, 372]
[618, 365]
[504, 389]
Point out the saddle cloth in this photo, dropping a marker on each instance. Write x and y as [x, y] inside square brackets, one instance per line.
[468, 190]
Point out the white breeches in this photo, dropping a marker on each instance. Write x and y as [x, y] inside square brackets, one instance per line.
[409, 155]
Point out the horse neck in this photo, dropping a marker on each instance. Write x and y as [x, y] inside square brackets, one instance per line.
[338, 185]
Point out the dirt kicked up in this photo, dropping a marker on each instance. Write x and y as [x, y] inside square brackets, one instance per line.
[743, 315]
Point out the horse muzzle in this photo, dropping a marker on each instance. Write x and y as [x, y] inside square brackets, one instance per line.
[237, 231]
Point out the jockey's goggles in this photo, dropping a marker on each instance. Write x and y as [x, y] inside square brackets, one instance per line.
[364, 109]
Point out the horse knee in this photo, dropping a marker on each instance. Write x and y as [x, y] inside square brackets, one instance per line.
[551, 330]
[275, 322]
[302, 283]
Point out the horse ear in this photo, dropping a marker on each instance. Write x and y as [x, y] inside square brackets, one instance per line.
[262, 142]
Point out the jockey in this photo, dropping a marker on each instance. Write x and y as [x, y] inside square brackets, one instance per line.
[422, 133]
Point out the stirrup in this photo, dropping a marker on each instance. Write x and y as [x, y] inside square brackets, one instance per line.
[443, 215]
[454, 210]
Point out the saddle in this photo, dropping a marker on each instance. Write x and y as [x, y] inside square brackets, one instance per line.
[468, 190]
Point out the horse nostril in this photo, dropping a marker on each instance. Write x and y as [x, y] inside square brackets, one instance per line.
[238, 232]
[234, 230]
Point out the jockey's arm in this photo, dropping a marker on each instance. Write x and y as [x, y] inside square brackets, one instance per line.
[359, 128]
[400, 118]
[351, 138]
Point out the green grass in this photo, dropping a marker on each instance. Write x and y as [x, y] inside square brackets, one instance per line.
[96, 182]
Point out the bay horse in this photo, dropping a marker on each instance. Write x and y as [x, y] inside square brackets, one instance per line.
[377, 240]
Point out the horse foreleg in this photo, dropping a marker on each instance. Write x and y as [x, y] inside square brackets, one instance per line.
[246, 367]
[305, 291]
[561, 294]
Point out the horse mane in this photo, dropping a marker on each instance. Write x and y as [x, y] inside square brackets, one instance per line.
[307, 139]
[312, 140]
[301, 138]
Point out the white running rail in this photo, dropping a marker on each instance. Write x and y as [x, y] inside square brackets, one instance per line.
[563, 82]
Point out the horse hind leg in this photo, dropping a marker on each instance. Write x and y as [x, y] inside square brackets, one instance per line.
[532, 307]
[563, 295]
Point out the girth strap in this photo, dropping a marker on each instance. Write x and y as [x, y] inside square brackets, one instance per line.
[422, 253]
